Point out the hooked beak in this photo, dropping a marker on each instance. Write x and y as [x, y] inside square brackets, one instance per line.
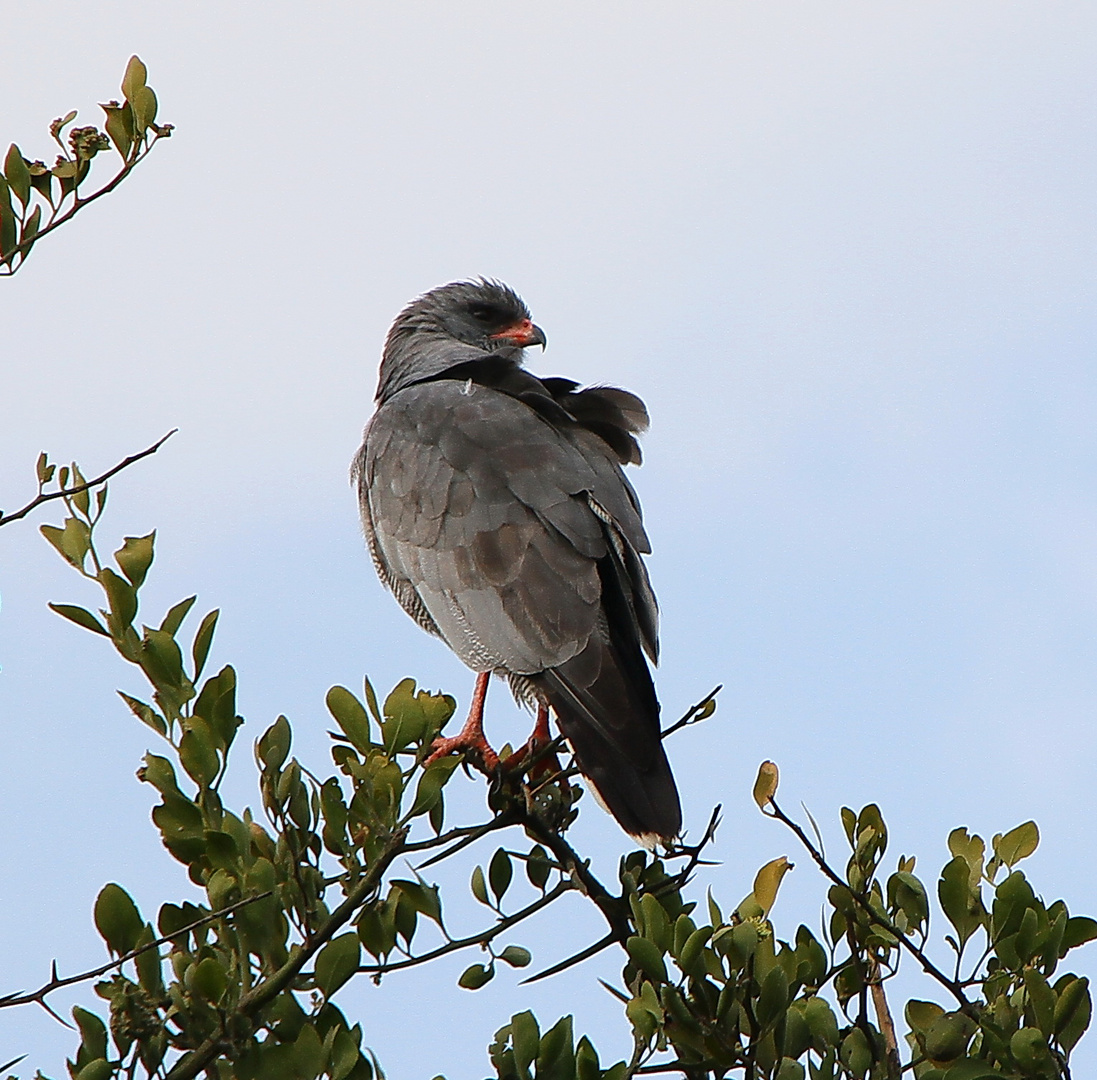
[523, 334]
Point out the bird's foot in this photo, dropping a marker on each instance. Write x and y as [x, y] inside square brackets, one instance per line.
[470, 739]
[538, 740]
[470, 743]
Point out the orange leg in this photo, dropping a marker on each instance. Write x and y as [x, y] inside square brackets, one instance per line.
[540, 738]
[471, 736]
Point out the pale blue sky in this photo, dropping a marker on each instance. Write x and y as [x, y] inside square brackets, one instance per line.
[845, 253]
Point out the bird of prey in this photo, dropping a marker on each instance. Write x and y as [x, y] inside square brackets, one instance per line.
[497, 512]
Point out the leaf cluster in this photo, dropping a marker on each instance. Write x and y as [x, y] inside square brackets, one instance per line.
[36, 198]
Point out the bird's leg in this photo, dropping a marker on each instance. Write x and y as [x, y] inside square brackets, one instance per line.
[471, 736]
[539, 739]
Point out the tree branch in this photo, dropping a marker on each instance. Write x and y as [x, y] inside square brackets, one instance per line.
[45, 497]
[22, 249]
[928, 966]
[194, 1062]
[56, 983]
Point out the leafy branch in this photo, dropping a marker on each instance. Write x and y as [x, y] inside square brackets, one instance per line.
[45, 472]
[46, 197]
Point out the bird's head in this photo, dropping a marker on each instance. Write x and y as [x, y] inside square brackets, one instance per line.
[481, 315]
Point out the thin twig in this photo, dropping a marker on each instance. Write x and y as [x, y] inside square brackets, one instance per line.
[691, 716]
[611, 938]
[45, 497]
[481, 938]
[56, 983]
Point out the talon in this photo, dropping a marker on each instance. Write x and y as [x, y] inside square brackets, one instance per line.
[540, 738]
[470, 739]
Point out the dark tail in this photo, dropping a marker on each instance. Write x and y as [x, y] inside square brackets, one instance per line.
[606, 706]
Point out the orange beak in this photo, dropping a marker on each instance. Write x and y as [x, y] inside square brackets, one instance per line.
[522, 334]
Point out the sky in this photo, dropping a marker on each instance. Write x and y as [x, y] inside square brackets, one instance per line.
[845, 253]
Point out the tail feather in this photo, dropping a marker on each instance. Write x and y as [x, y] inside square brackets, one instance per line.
[607, 710]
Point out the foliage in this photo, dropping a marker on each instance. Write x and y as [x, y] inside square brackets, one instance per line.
[242, 981]
[36, 198]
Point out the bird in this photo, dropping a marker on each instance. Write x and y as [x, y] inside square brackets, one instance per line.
[496, 510]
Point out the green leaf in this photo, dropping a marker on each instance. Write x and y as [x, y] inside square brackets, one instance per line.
[690, 955]
[81, 617]
[587, 1065]
[920, 1015]
[413, 717]
[308, 1053]
[646, 956]
[822, 1023]
[500, 872]
[961, 904]
[556, 1057]
[121, 596]
[475, 976]
[117, 919]
[525, 1038]
[423, 898]
[93, 1033]
[144, 108]
[773, 998]
[516, 956]
[134, 78]
[159, 772]
[198, 757]
[429, 789]
[351, 717]
[120, 126]
[100, 1069]
[30, 228]
[790, 1069]
[207, 979]
[1029, 1048]
[1072, 1011]
[969, 848]
[15, 169]
[145, 713]
[972, 1069]
[176, 614]
[274, 744]
[538, 867]
[371, 700]
[907, 892]
[203, 639]
[134, 557]
[479, 886]
[765, 784]
[1017, 844]
[336, 962]
[1080, 929]
[1042, 998]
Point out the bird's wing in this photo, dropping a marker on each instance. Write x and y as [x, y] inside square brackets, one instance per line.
[481, 509]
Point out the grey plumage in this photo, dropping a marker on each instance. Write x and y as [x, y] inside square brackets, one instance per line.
[495, 509]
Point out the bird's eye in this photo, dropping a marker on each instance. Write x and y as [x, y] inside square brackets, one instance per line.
[485, 313]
